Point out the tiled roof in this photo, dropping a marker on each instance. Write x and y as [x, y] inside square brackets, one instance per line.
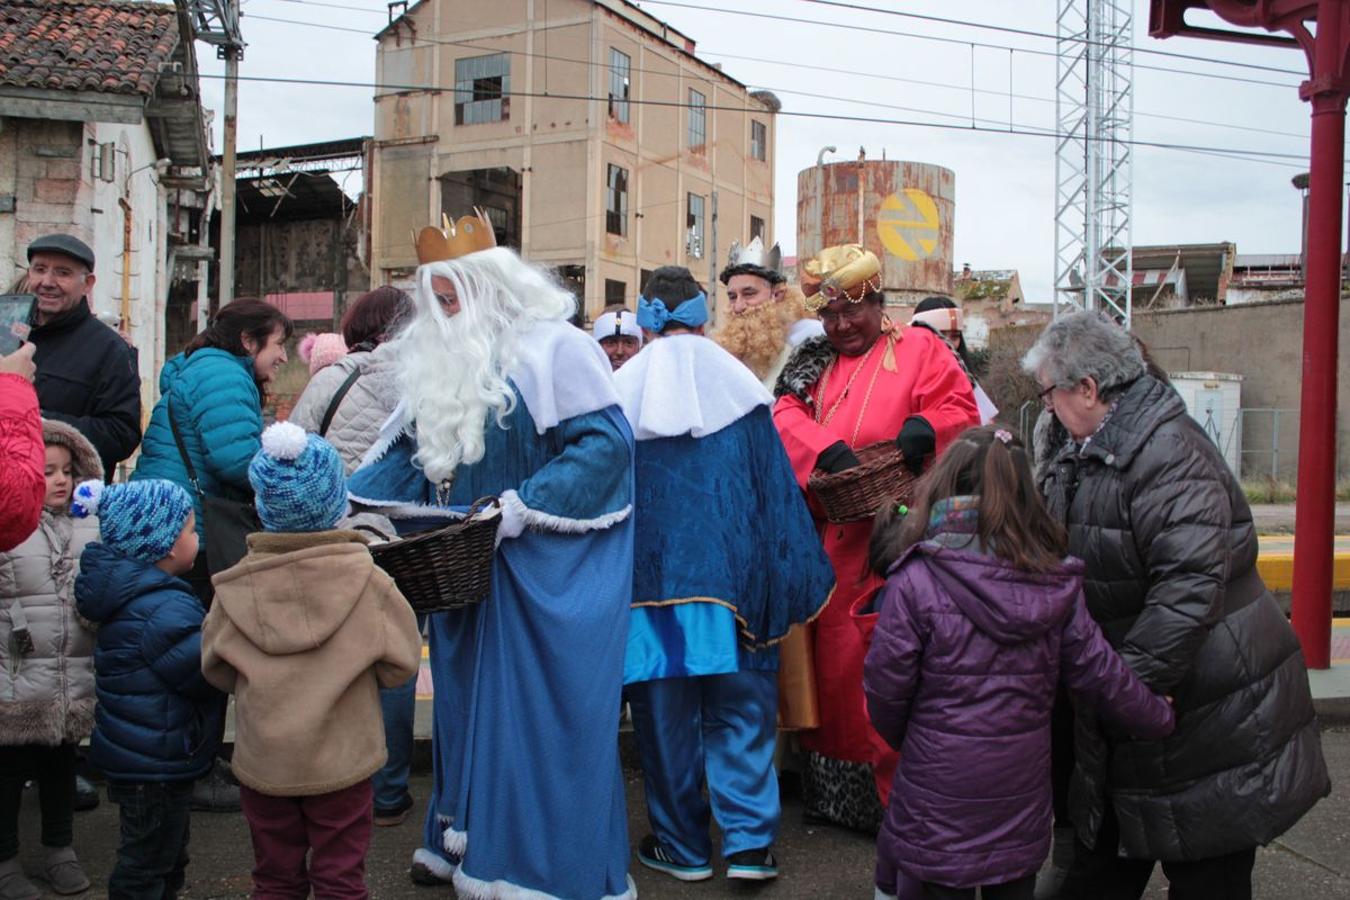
[109, 47]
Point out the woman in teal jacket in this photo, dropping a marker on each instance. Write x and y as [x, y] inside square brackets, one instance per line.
[216, 388]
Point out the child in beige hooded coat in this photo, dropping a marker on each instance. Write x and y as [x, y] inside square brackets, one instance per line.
[303, 631]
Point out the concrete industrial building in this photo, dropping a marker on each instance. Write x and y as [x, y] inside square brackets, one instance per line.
[594, 138]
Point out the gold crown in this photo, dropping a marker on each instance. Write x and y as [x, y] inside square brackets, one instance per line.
[455, 239]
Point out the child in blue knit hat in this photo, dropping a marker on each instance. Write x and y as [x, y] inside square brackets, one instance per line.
[303, 631]
[157, 722]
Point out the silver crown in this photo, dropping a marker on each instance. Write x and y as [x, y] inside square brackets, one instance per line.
[754, 254]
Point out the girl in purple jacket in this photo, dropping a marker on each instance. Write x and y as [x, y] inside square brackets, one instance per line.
[980, 618]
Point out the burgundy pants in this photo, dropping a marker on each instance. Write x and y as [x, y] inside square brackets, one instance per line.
[332, 829]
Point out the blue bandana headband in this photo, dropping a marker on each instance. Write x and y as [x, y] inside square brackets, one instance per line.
[653, 315]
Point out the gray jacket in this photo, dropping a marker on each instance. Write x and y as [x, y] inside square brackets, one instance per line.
[357, 419]
[1170, 548]
[47, 679]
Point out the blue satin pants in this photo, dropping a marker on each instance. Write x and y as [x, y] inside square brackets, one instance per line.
[718, 729]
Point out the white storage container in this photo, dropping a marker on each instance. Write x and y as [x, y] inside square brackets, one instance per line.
[1214, 399]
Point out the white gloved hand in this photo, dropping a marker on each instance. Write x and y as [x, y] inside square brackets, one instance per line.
[513, 517]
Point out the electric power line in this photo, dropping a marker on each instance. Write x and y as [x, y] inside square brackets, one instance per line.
[798, 114]
[1008, 29]
[950, 40]
[469, 45]
[903, 34]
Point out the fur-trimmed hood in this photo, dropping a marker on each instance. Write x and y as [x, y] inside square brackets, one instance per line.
[83, 457]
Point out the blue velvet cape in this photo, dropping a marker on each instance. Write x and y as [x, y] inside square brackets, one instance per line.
[726, 555]
[527, 790]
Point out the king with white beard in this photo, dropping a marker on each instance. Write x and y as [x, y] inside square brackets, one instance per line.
[500, 396]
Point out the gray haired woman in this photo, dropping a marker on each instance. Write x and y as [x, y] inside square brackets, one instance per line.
[1167, 536]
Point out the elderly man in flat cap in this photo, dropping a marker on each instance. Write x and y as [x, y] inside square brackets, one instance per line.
[86, 374]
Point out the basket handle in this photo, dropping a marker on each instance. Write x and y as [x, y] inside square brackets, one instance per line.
[481, 504]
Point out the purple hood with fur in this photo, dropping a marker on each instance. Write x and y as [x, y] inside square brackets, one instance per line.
[961, 676]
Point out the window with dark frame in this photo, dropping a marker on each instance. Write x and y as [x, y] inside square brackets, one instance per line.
[759, 140]
[698, 120]
[614, 292]
[616, 201]
[756, 228]
[620, 67]
[694, 227]
[482, 89]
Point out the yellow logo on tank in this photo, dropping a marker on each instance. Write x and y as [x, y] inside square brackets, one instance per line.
[907, 224]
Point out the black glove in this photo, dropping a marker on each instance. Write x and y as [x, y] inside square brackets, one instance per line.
[917, 441]
[836, 458]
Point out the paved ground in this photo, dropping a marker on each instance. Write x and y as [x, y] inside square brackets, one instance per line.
[1311, 861]
[1278, 518]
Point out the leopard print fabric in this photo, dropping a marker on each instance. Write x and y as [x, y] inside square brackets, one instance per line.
[842, 793]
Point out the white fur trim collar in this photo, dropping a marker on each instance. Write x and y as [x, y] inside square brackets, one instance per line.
[561, 373]
[686, 384]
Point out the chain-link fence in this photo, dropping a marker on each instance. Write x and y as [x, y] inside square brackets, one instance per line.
[1260, 442]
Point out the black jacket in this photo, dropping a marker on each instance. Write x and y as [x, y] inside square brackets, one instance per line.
[1170, 548]
[87, 377]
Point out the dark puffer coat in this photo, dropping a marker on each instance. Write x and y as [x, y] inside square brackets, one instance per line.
[157, 719]
[961, 678]
[1170, 549]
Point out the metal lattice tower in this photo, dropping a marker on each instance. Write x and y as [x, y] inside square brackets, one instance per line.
[1094, 117]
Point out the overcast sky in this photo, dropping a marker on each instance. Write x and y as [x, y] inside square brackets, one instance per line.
[1004, 182]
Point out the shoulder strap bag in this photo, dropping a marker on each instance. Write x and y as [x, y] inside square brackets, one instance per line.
[225, 522]
[337, 401]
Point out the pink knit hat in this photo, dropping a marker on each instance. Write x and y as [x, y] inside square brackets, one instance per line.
[321, 350]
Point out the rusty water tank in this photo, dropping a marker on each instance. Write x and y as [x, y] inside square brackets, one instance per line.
[904, 211]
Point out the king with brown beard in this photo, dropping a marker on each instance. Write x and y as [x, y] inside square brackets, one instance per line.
[768, 316]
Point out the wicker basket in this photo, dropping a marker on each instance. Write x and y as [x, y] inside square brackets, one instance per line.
[857, 493]
[448, 567]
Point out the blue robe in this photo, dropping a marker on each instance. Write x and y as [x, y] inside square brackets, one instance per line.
[726, 556]
[527, 792]
[726, 560]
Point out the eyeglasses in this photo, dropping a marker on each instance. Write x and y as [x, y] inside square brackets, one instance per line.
[853, 312]
[1045, 394]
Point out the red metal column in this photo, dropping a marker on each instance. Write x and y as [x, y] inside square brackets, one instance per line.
[1315, 513]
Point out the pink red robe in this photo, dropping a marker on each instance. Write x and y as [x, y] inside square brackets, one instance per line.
[875, 392]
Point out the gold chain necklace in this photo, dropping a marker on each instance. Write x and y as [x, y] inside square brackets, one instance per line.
[825, 383]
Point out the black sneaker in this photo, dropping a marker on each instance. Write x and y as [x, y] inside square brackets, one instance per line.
[216, 791]
[86, 795]
[654, 855]
[752, 865]
[388, 816]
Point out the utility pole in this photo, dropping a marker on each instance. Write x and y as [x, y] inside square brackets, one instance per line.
[217, 22]
[227, 205]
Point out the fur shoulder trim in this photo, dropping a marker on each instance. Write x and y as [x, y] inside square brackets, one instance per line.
[686, 384]
[804, 368]
[561, 373]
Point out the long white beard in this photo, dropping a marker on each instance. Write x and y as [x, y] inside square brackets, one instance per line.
[449, 375]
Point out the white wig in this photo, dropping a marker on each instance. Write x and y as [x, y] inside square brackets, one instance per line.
[453, 369]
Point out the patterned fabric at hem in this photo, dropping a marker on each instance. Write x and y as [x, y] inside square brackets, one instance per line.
[842, 793]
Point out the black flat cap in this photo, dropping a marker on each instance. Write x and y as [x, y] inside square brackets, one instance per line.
[65, 244]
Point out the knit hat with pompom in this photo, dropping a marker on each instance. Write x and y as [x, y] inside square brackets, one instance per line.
[321, 350]
[298, 480]
[139, 519]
